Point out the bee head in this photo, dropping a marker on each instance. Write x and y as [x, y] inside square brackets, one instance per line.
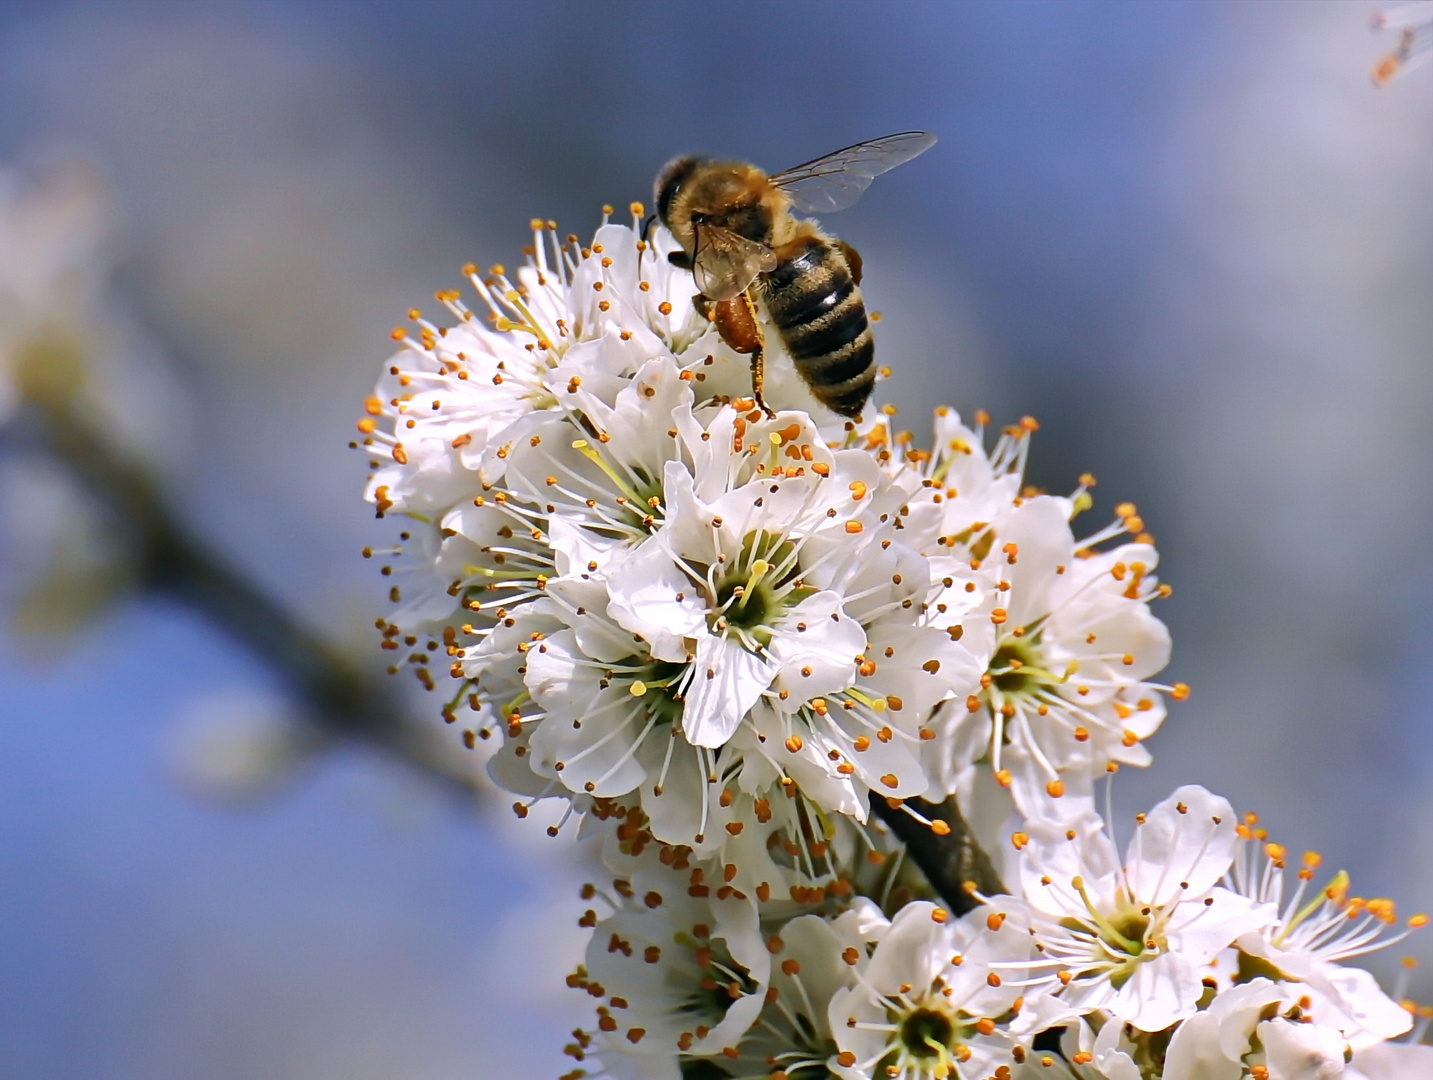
[694, 191]
[669, 182]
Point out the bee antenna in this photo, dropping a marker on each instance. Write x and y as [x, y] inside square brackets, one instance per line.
[647, 226]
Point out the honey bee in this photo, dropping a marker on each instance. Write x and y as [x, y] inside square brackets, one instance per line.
[743, 244]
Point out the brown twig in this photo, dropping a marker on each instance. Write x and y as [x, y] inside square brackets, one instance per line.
[338, 696]
[954, 863]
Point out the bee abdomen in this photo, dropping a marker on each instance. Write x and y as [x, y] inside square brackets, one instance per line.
[822, 319]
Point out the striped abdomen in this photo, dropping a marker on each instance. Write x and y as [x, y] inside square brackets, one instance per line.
[815, 304]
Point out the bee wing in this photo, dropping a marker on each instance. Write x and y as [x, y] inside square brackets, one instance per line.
[836, 181]
[725, 263]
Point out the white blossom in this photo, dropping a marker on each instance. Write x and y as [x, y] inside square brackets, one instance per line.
[1073, 647]
[814, 958]
[1131, 936]
[940, 997]
[66, 343]
[62, 559]
[434, 426]
[1063, 624]
[674, 973]
[1303, 948]
[238, 745]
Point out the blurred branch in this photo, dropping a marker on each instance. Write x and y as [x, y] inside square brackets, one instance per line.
[339, 696]
[951, 863]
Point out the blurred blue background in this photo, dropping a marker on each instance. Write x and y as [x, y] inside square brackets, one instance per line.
[1191, 238]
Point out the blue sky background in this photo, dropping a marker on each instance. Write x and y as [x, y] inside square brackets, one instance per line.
[1190, 237]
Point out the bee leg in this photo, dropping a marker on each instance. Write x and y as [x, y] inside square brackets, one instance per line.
[758, 379]
[758, 354]
[739, 327]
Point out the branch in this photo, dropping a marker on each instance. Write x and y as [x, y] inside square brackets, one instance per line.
[954, 863]
[340, 697]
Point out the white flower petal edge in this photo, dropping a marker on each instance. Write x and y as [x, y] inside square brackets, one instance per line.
[1392, 1061]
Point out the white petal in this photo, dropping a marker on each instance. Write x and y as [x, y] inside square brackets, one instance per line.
[1210, 1045]
[863, 921]
[603, 751]
[1089, 856]
[1201, 929]
[675, 816]
[652, 597]
[582, 602]
[1161, 992]
[1301, 1051]
[899, 757]
[1195, 1054]
[921, 665]
[1117, 1065]
[816, 945]
[1040, 527]
[816, 652]
[981, 947]
[622, 1064]
[1238, 1009]
[1357, 995]
[602, 364]
[728, 682]
[854, 1003]
[1029, 781]
[557, 678]
[1394, 1062]
[636, 425]
[688, 532]
[1184, 846]
[574, 548]
[914, 950]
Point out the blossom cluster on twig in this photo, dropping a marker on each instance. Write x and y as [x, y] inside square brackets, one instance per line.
[738, 646]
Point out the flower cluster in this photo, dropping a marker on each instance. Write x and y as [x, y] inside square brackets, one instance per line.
[737, 644]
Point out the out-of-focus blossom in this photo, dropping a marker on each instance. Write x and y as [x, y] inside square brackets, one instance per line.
[66, 342]
[237, 745]
[51, 234]
[106, 399]
[1391, 1061]
[1413, 24]
[63, 557]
